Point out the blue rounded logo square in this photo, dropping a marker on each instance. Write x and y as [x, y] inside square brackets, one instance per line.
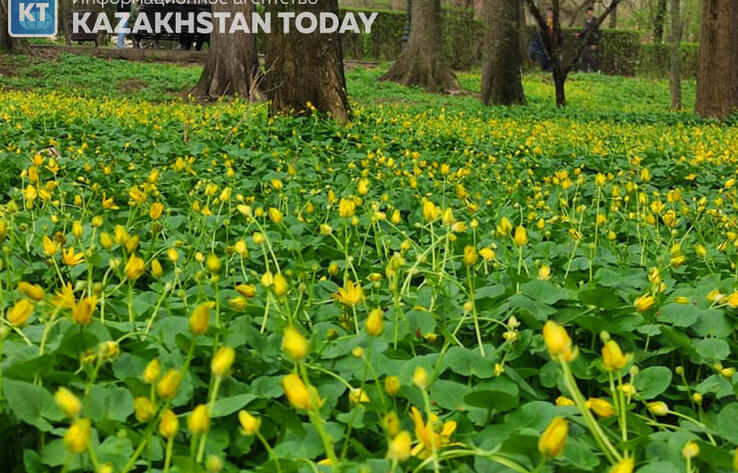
[32, 18]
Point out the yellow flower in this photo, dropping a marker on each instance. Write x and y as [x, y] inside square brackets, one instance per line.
[644, 302]
[392, 385]
[246, 290]
[400, 447]
[346, 208]
[82, 311]
[690, 450]
[241, 249]
[64, 298]
[31, 291]
[374, 322]
[420, 377]
[521, 236]
[601, 407]
[556, 338]
[733, 300]
[553, 439]
[280, 285]
[50, 247]
[199, 420]
[294, 344]
[358, 396]
[658, 408]
[625, 465]
[200, 318]
[504, 227]
[156, 210]
[351, 294]
[156, 269]
[276, 215]
[169, 384]
[249, 424]
[108, 350]
[564, 401]
[612, 356]
[69, 404]
[169, 424]
[152, 371]
[222, 361]
[487, 253]
[429, 438]
[213, 263]
[77, 437]
[470, 255]
[544, 272]
[296, 392]
[20, 312]
[430, 211]
[143, 409]
[70, 258]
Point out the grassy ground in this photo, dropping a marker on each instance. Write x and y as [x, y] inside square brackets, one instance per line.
[636, 98]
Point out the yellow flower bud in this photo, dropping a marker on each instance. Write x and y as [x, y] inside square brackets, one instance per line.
[644, 302]
[553, 439]
[420, 377]
[20, 312]
[32, 291]
[564, 401]
[199, 420]
[625, 465]
[69, 404]
[601, 407]
[690, 450]
[470, 256]
[294, 344]
[280, 285]
[521, 236]
[134, 268]
[400, 447]
[658, 408]
[249, 424]
[77, 437]
[246, 290]
[392, 385]
[82, 311]
[169, 424]
[556, 339]
[156, 269]
[200, 318]
[152, 371]
[222, 361]
[143, 409]
[296, 392]
[212, 262]
[612, 356]
[374, 325]
[169, 384]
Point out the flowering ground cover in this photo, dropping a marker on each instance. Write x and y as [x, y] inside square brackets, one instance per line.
[436, 286]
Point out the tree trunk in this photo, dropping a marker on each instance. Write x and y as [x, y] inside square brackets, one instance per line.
[675, 74]
[7, 42]
[614, 18]
[422, 62]
[305, 71]
[658, 22]
[501, 77]
[559, 78]
[232, 67]
[717, 79]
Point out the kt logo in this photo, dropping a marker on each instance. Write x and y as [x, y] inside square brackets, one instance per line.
[32, 18]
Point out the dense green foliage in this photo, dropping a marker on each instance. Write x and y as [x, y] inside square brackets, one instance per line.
[134, 230]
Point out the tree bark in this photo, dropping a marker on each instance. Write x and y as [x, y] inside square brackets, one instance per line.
[7, 42]
[675, 74]
[422, 62]
[232, 67]
[658, 22]
[614, 18]
[717, 76]
[304, 72]
[501, 77]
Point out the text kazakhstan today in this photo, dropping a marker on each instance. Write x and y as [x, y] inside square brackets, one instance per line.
[207, 22]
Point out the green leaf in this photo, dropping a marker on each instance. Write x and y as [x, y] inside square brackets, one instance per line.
[712, 349]
[113, 403]
[726, 422]
[229, 405]
[543, 291]
[32, 404]
[679, 315]
[652, 381]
